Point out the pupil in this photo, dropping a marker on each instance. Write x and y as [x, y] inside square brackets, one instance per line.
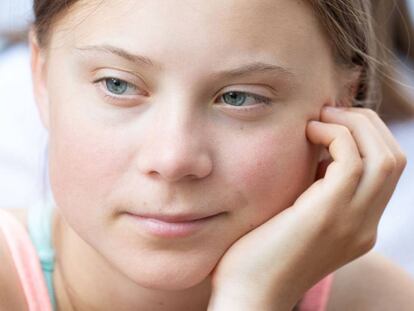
[116, 86]
[235, 98]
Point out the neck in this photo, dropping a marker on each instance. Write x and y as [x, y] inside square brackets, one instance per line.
[84, 280]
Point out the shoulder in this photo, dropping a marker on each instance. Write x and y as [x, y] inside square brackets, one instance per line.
[371, 282]
[11, 295]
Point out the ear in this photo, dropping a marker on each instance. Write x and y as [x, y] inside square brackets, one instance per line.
[349, 87]
[38, 68]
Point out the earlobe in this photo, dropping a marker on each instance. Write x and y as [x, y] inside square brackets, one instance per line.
[38, 68]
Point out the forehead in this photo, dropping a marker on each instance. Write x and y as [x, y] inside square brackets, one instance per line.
[214, 31]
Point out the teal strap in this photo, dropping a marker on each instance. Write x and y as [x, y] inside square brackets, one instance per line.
[39, 222]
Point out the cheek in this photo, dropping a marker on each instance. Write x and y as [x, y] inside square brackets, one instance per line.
[84, 159]
[272, 171]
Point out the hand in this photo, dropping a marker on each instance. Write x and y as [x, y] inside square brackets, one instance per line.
[332, 223]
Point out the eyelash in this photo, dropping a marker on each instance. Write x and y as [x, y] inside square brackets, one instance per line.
[261, 99]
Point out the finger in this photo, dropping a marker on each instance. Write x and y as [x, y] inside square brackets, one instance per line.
[385, 133]
[344, 173]
[370, 143]
[399, 155]
[389, 139]
[377, 182]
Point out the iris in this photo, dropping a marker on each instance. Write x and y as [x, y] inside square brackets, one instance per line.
[116, 86]
[235, 98]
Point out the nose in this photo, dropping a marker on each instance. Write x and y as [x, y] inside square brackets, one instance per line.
[176, 147]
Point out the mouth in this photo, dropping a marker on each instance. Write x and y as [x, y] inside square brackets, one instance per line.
[176, 218]
[173, 226]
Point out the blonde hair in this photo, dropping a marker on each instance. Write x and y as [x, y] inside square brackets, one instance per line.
[396, 34]
[349, 26]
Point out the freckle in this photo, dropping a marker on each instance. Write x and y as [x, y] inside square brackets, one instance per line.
[241, 127]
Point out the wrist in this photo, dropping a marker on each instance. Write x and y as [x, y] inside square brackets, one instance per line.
[243, 299]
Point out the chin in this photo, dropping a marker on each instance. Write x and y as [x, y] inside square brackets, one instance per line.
[174, 279]
[170, 271]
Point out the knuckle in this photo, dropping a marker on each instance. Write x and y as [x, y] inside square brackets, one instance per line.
[369, 112]
[344, 132]
[401, 159]
[342, 129]
[359, 116]
[387, 165]
[368, 242]
[356, 169]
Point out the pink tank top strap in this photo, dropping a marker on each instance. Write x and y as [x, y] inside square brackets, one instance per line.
[316, 298]
[26, 262]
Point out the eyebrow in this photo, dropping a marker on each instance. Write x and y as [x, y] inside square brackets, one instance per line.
[245, 69]
[117, 51]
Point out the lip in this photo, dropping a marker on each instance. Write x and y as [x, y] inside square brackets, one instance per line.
[177, 218]
[172, 226]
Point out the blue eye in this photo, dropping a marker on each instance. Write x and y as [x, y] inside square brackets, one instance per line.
[237, 98]
[117, 86]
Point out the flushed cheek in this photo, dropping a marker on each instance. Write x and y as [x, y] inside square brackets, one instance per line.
[84, 162]
[271, 172]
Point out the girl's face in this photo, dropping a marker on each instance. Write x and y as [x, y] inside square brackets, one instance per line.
[181, 107]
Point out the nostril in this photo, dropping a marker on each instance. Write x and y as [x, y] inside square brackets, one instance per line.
[186, 159]
[196, 168]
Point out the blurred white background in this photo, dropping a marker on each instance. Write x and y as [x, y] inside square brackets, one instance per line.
[23, 141]
[15, 14]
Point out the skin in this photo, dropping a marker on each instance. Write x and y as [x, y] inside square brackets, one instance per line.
[173, 145]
